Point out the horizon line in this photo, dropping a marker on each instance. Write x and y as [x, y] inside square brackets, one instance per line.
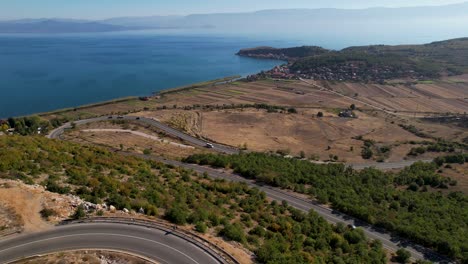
[228, 12]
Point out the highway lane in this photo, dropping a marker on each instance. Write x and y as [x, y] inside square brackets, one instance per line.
[390, 242]
[154, 244]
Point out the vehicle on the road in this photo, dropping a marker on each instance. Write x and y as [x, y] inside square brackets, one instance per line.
[110, 117]
[120, 117]
[138, 118]
[209, 145]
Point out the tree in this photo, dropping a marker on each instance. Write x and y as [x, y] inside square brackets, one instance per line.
[177, 215]
[233, 232]
[367, 153]
[147, 151]
[402, 255]
[46, 212]
[320, 114]
[352, 107]
[79, 213]
[200, 227]
[302, 154]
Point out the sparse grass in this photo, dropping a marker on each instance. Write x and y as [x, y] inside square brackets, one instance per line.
[235, 92]
[426, 82]
[198, 85]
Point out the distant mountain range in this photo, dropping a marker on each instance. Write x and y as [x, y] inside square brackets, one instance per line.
[278, 20]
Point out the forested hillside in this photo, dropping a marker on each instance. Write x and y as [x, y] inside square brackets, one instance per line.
[400, 202]
[276, 232]
[373, 63]
[285, 54]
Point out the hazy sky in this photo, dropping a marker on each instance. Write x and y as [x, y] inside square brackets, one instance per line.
[95, 9]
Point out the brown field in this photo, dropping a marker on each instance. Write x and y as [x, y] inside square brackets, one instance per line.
[432, 97]
[262, 131]
[130, 142]
[422, 99]
[269, 132]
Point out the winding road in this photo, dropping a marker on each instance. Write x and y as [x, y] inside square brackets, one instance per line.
[155, 244]
[56, 133]
[389, 241]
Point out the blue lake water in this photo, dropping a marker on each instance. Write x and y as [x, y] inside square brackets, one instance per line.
[43, 73]
[40, 73]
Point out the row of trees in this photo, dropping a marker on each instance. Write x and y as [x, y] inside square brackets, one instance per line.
[31, 125]
[398, 202]
[276, 232]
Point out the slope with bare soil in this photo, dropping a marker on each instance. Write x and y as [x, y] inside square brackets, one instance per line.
[132, 137]
[262, 131]
[26, 202]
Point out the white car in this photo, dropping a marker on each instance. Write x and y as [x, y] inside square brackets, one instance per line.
[209, 145]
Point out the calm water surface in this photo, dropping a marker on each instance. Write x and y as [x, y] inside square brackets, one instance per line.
[43, 73]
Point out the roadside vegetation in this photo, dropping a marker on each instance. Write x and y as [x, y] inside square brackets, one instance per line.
[276, 232]
[406, 203]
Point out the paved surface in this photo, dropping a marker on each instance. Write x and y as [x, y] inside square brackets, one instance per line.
[56, 133]
[390, 242]
[154, 244]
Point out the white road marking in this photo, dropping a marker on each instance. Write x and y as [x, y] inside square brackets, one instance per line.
[103, 234]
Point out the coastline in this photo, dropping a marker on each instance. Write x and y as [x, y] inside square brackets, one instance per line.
[163, 92]
[131, 98]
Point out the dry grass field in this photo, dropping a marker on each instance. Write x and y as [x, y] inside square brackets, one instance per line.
[262, 131]
[20, 206]
[448, 95]
[102, 134]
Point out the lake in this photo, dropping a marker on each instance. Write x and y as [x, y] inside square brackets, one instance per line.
[44, 73]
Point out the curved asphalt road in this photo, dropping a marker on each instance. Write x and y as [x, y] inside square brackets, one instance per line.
[152, 243]
[389, 242]
[56, 133]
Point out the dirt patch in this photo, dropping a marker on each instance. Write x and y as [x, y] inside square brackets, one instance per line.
[26, 202]
[10, 221]
[92, 257]
[330, 135]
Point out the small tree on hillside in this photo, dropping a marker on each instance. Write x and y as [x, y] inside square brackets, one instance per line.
[79, 213]
[403, 255]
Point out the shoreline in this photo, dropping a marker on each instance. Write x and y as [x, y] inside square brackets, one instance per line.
[130, 98]
[213, 82]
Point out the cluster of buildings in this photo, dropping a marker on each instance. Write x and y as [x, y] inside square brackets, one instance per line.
[355, 72]
[352, 71]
